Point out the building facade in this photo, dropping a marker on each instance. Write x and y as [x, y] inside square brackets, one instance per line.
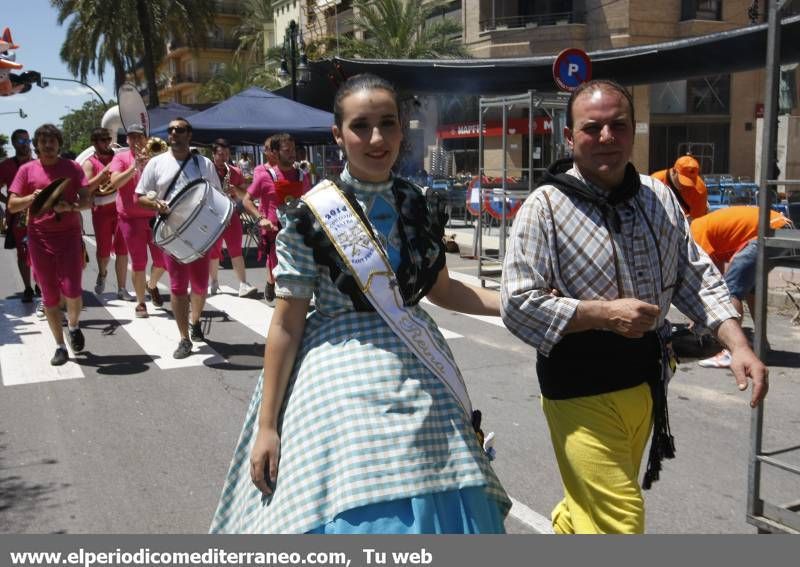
[184, 70]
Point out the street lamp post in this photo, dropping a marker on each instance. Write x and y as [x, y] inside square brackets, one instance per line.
[294, 48]
[43, 83]
[20, 112]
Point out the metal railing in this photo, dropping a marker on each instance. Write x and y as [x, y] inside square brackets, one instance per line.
[531, 20]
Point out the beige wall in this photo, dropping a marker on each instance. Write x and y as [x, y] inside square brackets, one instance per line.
[493, 156]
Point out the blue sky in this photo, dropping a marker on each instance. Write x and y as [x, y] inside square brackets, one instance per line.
[35, 29]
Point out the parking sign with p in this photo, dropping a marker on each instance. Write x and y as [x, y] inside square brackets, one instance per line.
[571, 68]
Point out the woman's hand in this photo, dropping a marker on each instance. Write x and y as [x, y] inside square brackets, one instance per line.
[264, 459]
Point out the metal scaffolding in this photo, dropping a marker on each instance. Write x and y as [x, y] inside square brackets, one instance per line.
[765, 515]
[553, 107]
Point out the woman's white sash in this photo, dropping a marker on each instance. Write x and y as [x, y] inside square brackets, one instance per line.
[370, 267]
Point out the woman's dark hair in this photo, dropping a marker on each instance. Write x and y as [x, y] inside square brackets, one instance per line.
[362, 82]
[606, 85]
[47, 130]
[219, 143]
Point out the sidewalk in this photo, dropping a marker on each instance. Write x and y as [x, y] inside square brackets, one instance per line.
[778, 277]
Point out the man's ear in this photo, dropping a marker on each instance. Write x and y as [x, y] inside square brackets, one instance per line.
[568, 136]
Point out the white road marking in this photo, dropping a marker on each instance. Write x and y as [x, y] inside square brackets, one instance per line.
[530, 518]
[252, 313]
[25, 341]
[158, 336]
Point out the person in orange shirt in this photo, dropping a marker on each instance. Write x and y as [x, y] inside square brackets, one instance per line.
[685, 181]
[728, 236]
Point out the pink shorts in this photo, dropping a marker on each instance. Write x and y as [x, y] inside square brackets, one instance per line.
[138, 236]
[180, 275]
[268, 244]
[57, 261]
[232, 237]
[107, 231]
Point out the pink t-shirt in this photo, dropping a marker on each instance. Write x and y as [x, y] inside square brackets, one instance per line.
[127, 199]
[8, 169]
[33, 175]
[263, 188]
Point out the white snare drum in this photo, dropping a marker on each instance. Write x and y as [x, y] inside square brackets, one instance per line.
[198, 217]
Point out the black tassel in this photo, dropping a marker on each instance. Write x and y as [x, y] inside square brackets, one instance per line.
[662, 444]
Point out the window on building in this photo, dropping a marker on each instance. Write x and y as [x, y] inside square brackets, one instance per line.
[668, 141]
[701, 10]
[705, 95]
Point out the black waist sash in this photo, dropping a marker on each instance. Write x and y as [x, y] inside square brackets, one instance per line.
[597, 362]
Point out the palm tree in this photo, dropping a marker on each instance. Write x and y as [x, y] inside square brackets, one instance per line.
[123, 32]
[184, 20]
[97, 35]
[235, 78]
[402, 29]
[252, 31]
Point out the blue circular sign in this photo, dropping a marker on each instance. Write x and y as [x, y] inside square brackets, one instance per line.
[571, 68]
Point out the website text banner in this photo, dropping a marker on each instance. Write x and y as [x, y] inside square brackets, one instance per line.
[395, 551]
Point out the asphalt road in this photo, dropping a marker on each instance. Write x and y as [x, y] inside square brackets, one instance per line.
[127, 443]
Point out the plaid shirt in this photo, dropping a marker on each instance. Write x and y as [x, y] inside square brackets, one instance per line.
[565, 243]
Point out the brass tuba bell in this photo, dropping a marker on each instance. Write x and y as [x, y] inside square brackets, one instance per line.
[155, 146]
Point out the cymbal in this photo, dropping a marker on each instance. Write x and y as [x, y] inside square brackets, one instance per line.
[49, 196]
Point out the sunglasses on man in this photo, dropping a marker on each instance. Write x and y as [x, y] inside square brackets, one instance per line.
[102, 139]
[21, 141]
[177, 129]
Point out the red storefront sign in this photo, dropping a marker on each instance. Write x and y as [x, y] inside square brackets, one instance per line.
[541, 125]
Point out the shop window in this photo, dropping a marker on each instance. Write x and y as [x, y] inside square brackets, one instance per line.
[705, 95]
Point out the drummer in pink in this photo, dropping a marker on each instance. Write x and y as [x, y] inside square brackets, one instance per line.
[104, 217]
[279, 172]
[54, 236]
[162, 177]
[234, 185]
[134, 220]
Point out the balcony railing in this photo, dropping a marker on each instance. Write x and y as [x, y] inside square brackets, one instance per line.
[211, 43]
[228, 7]
[178, 78]
[531, 20]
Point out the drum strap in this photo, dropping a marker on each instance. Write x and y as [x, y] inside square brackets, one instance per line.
[183, 165]
[371, 269]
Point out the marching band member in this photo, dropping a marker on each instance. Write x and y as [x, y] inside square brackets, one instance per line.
[276, 176]
[163, 174]
[104, 216]
[134, 219]
[54, 236]
[349, 430]
[15, 224]
[235, 186]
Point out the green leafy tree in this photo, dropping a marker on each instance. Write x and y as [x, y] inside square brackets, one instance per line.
[402, 29]
[98, 33]
[126, 33]
[77, 126]
[234, 79]
[252, 32]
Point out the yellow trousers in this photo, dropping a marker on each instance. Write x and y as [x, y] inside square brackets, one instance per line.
[599, 442]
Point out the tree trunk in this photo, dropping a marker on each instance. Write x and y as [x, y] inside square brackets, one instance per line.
[119, 70]
[145, 26]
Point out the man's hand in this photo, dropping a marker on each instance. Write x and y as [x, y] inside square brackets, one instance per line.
[630, 318]
[744, 364]
[266, 223]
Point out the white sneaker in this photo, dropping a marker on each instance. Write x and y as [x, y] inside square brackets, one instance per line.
[247, 290]
[721, 360]
[213, 288]
[40, 310]
[122, 294]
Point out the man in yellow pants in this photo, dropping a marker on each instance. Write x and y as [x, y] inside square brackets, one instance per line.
[596, 256]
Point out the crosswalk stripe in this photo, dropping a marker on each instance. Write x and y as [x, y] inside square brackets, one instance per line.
[252, 313]
[157, 335]
[24, 342]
